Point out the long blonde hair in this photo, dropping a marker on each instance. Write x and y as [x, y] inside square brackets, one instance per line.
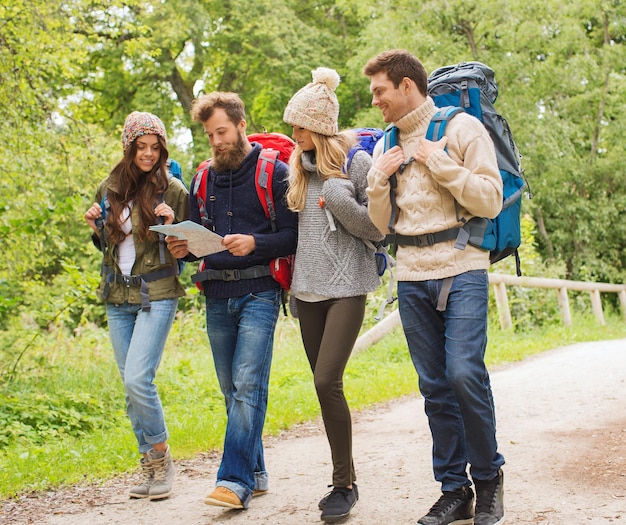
[331, 154]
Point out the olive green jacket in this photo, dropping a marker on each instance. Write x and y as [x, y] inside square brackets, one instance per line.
[147, 254]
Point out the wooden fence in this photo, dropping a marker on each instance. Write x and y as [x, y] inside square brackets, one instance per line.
[499, 283]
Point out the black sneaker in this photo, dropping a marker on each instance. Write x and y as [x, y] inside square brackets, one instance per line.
[323, 501]
[338, 503]
[452, 508]
[490, 501]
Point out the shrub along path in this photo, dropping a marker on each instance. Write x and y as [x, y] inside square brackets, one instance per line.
[561, 428]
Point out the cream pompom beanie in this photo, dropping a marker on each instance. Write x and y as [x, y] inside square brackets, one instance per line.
[315, 107]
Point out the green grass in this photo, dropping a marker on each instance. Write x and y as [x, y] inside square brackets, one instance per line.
[81, 367]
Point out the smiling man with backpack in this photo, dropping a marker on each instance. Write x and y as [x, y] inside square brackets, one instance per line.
[242, 295]
[422, 193]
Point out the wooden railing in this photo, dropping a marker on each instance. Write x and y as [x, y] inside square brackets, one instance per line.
[499, 283]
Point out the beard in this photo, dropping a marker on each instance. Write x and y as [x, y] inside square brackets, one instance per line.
[231, 158]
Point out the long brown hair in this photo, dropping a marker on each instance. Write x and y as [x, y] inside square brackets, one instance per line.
[331, 154]
[128, 183]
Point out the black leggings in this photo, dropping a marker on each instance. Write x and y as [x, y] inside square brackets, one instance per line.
[329, 330]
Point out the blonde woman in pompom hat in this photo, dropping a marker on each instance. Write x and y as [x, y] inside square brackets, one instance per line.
[139, 284]
[334, 267]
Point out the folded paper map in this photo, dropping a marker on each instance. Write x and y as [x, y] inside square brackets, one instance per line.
[200, 241]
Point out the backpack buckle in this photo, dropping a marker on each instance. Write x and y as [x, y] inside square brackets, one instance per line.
[129, 280]
[231, 275]
[405, 164]
[427, 239]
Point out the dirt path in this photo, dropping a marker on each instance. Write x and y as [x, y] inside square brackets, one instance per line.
[561, 428]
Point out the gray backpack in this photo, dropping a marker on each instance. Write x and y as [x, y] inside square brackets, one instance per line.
[472, 87]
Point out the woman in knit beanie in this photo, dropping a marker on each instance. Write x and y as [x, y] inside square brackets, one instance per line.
[335, 267]
[139, 283]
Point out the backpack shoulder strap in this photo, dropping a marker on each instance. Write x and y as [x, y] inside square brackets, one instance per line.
[199, 191]
[390, 139]
[105, 206]
[263, 182]
[437, 127]
[436, 130]
[349, 156]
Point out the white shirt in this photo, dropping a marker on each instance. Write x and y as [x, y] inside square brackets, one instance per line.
[127, 246]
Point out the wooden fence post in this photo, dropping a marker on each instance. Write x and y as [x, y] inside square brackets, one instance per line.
[622, 300]
[596, 305]
[502, 303]
[566, 316]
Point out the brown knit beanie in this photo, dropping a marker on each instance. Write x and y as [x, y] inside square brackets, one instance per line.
[139, 123]
[315, 107]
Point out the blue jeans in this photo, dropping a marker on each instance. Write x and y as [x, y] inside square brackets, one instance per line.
[138, 340]
[241, 333]
[448, 349]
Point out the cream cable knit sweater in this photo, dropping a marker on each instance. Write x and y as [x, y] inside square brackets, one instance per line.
[425, 195]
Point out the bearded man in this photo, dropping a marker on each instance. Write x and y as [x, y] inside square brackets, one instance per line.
[242, 298]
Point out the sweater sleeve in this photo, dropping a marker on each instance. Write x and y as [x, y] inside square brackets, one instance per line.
[347, 201]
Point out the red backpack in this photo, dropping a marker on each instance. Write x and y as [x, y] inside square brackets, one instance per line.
[275, 146]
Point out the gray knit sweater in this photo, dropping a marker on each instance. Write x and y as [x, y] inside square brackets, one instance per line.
[333, 264]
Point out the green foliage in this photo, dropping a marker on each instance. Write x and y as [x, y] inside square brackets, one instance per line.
[64, 391]
[39, 417]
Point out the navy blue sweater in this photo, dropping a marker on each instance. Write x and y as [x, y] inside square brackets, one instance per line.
[237, 209]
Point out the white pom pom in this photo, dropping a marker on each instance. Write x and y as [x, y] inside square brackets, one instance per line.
[325, 75]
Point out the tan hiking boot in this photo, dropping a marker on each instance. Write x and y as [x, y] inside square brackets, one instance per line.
[147, 472]
[223, 497]
[164, 474]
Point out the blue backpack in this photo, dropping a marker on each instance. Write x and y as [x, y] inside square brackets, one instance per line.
[175, 170]
[471, 87]
[367, 138]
